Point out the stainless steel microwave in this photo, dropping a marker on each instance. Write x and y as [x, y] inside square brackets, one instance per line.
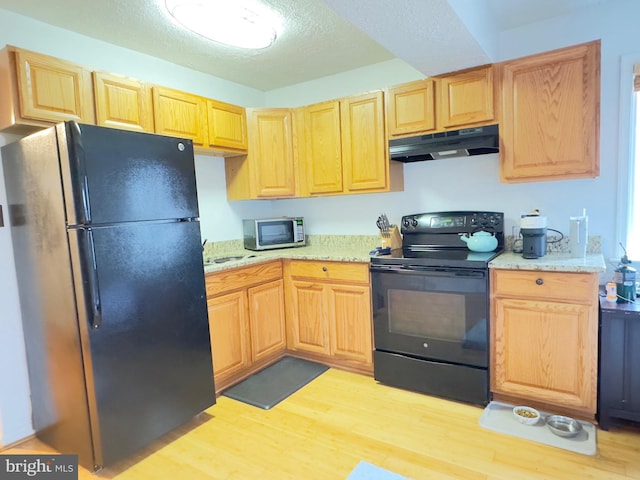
[268, 233]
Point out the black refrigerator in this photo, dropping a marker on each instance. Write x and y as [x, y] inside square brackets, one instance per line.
[106, 239]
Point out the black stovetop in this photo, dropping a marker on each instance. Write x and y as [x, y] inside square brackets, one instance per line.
[461, 258]
[433, 240]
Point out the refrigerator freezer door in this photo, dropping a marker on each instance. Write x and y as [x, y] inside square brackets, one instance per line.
[148, 363]
[115, 176]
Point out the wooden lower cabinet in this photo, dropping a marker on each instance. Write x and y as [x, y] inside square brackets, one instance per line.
[544, 345]
[329, 312]
[246, 320]
[229, 327]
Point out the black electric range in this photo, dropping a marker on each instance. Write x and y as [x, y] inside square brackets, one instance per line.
[433, 239]
[430, 305]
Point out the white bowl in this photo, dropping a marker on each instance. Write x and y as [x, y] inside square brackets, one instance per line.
[526, 415]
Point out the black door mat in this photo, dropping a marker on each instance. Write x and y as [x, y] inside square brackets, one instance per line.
[270, 386]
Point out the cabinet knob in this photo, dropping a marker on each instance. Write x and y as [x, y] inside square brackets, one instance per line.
[324, 269]
[539, 281]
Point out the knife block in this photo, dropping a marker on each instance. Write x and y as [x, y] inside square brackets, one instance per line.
[394, 240]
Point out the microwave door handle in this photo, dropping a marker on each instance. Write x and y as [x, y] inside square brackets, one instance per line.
[296, 236]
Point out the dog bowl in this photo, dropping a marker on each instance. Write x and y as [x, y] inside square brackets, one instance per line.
[526, 415]
[563, 426]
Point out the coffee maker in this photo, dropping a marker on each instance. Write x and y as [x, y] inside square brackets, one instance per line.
[533, 229]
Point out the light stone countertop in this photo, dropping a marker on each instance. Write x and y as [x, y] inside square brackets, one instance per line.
[558, 262]
[354, 249]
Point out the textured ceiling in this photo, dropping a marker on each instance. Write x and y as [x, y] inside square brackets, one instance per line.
[320, 37]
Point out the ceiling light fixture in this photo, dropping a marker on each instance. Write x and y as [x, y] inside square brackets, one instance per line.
[238, 23]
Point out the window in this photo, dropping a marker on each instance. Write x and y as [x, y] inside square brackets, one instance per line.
[632, 243]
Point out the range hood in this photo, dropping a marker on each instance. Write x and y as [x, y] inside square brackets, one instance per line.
[455, 143]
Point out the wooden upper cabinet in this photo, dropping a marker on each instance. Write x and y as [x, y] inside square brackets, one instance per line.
[551, 115]
[466, 98]
[365, 153]
[227, 126]
[180, 114]
[38, 90]
[411, 108]
[320, 148]
[270, 157]
[122, 102]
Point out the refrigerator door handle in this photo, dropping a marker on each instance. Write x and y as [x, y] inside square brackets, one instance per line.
[94, 290]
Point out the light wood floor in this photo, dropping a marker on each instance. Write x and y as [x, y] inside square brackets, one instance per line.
[326, 428]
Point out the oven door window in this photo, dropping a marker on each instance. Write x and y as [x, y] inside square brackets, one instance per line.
[435, 316]
[275, 233]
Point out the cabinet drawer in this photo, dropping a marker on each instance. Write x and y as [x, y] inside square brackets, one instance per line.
[343, 271]
[579, 287]
[242, 277]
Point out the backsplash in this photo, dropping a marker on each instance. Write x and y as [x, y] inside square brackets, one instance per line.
[369, 242]
[557, 244]
[347, 242]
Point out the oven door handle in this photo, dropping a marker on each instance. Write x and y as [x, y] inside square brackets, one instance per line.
[430, 271]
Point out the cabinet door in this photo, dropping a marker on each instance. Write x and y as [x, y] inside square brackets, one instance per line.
[266, 319]
[350, 314]
[271, 153]
[411, 108]
[551, 115]
[365, 153]
[122, 102]
[309, 327]
[229, 330]
[180, 114]
[227, 126]
[322, 154]
[466, 98]
[546, 351]
[53, 90]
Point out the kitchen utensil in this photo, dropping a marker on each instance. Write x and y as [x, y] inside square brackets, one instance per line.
[383, 225]
[526, 415]
[480, 241]
[563, 426]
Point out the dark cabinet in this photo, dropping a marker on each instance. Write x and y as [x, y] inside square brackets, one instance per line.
[619, 386]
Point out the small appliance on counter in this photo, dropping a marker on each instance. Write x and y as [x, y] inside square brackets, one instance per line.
[533, 228]
[270, 233]
[578, 235]
[625, 278]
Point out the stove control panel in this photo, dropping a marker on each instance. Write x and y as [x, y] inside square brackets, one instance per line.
[453, 222]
